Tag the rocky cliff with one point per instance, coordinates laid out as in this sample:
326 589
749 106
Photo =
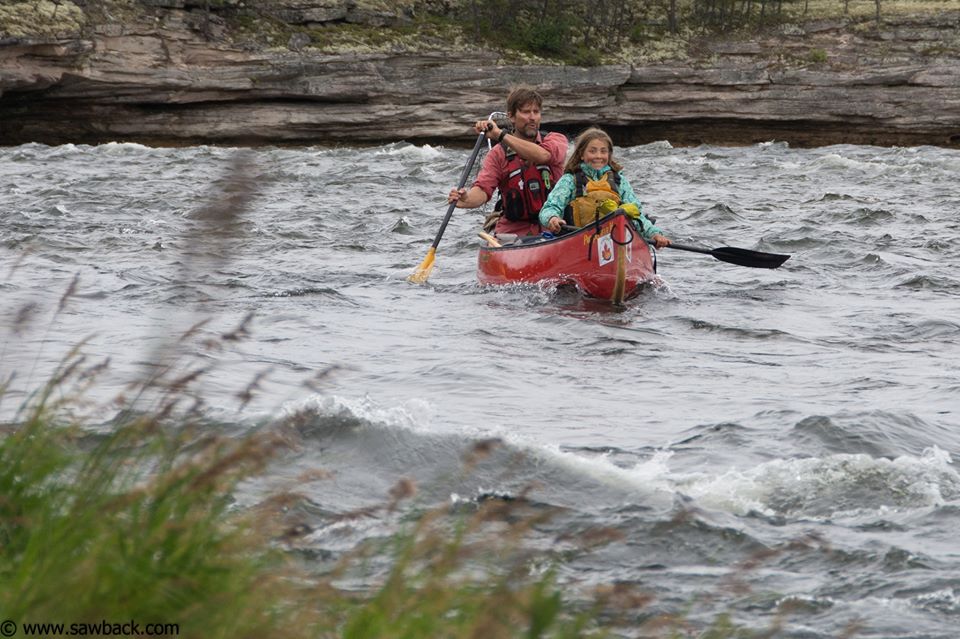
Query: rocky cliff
169 77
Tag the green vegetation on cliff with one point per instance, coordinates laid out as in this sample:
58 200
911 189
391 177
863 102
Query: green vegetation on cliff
582 32
40 18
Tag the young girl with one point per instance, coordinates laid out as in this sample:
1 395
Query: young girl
592 181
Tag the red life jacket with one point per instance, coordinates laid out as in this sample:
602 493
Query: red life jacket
524 189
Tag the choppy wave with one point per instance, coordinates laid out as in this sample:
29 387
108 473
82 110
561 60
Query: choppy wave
425 153
832 487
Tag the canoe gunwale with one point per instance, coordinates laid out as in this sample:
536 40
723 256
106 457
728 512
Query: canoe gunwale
566 237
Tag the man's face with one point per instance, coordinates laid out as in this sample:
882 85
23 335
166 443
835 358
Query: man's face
526 120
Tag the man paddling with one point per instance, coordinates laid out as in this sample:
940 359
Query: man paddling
524 166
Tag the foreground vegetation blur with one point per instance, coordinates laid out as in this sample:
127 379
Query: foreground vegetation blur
134 522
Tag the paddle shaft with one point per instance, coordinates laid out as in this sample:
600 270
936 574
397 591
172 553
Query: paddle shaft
692 249
728 254
463 180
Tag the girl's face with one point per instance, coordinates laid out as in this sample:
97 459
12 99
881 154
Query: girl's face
596 155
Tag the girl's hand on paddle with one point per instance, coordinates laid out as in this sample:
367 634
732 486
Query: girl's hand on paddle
554 224
660 241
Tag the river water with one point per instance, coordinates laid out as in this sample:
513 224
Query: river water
808 414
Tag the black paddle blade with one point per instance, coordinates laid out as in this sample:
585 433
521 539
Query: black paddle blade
746 257
738 256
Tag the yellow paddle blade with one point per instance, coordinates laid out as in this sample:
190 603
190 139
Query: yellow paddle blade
423 271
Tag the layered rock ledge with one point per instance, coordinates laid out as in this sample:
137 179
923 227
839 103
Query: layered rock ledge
169 83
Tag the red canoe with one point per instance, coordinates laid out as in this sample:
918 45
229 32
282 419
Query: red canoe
606 260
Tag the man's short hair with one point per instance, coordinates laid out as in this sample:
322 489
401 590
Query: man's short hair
520 96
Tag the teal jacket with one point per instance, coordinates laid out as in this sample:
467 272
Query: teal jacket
566 189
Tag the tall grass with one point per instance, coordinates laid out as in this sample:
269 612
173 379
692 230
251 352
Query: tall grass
132 526
137 524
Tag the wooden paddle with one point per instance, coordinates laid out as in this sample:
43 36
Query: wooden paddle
491 240
738 256
423 271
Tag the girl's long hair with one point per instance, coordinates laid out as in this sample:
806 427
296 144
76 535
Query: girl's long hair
585 138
